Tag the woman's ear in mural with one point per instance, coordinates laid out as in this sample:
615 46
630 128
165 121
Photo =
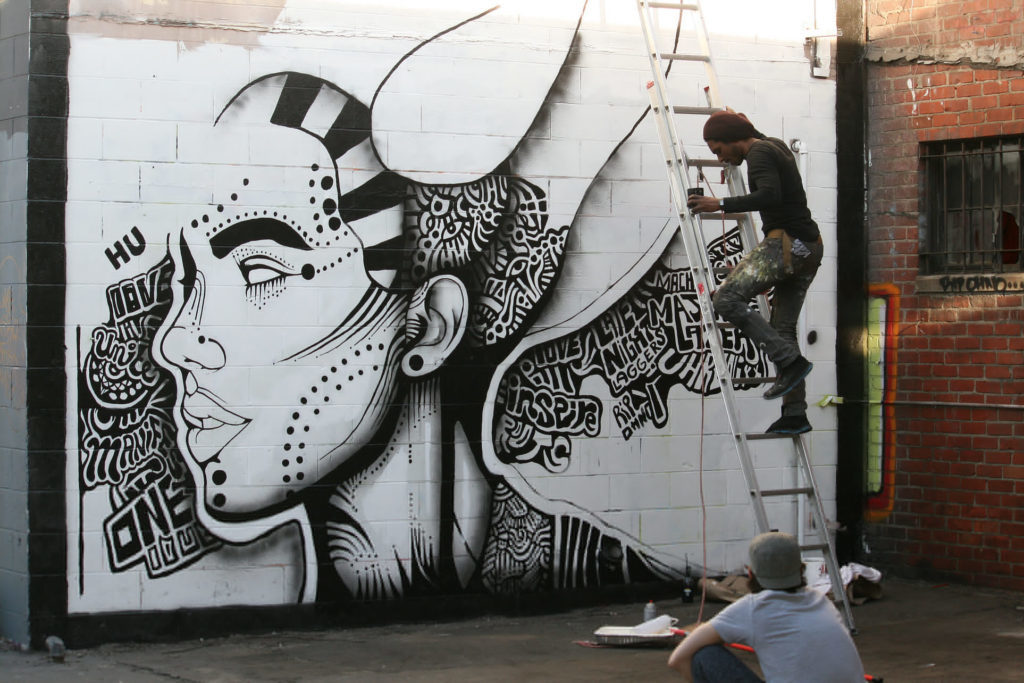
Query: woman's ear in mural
435 323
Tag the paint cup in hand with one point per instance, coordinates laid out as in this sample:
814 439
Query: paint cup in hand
694 192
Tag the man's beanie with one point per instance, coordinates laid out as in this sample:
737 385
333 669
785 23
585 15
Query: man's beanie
775 560
728 126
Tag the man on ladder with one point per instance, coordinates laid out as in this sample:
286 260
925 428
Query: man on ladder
787 259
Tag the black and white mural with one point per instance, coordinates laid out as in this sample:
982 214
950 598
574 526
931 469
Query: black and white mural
358 333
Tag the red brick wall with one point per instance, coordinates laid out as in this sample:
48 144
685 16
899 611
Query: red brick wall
959 482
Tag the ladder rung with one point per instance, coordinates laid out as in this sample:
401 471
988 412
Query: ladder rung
719 216
751 380
758 436
725 270
672 5
703 111
681 57
814 546
707 163
786 492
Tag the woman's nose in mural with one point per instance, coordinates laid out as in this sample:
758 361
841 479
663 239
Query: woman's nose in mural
189 348
187 345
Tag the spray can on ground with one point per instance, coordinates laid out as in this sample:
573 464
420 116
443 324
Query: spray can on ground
650 610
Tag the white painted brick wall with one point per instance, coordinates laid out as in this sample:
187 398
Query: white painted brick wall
142 105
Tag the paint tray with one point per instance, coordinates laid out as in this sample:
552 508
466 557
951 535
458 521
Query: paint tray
635 635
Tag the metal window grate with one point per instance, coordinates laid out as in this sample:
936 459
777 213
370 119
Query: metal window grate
973 206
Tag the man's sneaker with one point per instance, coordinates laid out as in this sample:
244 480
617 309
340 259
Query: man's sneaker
789 377
790 424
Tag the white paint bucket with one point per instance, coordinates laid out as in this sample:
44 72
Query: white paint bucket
815 570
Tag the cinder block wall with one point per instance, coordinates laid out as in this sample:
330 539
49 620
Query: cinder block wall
359 303
953 507
14 79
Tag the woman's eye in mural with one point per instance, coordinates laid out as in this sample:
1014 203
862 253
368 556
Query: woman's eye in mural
265 277
262 270
264 273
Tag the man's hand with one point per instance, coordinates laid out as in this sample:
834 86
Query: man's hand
682 656
700 204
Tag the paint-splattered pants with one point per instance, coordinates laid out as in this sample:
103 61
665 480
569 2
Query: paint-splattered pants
760 270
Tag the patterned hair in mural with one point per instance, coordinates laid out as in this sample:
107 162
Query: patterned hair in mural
646 343
127 434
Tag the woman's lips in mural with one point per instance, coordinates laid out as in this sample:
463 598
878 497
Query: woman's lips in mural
211 426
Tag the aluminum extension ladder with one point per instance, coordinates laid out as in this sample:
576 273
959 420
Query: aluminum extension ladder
679 167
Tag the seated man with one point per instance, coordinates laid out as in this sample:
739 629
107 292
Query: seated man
797 633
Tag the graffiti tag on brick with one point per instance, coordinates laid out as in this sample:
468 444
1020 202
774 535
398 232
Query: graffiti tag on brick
979 284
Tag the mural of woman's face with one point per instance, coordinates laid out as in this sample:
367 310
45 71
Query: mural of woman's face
285 352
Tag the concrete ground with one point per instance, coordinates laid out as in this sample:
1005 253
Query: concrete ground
915 632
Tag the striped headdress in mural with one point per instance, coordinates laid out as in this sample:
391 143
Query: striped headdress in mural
492 232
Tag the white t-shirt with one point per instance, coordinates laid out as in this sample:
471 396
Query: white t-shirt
797 636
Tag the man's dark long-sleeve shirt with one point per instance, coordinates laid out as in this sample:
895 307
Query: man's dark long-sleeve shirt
775 191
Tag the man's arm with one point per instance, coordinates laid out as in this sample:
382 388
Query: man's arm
763 173
682 657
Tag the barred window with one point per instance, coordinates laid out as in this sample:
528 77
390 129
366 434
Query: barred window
973 206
